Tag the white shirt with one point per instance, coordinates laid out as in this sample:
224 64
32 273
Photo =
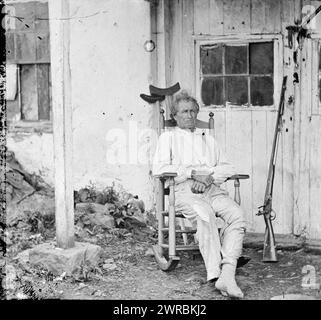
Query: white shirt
181 151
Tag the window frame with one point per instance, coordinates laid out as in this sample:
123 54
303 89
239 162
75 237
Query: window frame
242 39
22 125
38 28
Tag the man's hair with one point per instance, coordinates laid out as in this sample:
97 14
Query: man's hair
183 96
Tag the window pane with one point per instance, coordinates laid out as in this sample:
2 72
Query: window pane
212 91
25 13
41 20
235 59
42 47
237 90
261 58
261 91
25 47
13 109
211 59
29 97
10 47
43 91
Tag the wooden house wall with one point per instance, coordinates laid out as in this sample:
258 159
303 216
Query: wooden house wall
246 133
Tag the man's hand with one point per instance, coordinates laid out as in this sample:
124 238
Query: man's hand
198 187
206 179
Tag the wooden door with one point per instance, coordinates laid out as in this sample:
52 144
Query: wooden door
246 134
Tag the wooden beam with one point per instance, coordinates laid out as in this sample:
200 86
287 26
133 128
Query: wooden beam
62 120
163 33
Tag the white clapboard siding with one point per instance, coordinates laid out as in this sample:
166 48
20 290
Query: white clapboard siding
308 217
315 147
260 166
278 203
236 15
216 17
239 150
315 178
201 17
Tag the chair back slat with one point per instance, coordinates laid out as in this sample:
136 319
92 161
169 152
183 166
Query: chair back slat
162 120
170 123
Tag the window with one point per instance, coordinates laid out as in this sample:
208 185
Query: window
241 74
28 63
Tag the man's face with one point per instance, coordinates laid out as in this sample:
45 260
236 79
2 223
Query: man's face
186 115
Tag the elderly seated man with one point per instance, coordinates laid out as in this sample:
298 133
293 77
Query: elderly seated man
201 168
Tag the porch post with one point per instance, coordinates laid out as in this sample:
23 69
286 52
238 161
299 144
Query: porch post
62 121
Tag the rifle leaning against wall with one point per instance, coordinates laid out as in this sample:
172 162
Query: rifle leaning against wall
269 252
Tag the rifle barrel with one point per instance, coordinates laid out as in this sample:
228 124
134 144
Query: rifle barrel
269 252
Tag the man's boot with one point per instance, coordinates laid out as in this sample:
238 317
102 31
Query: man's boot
226 282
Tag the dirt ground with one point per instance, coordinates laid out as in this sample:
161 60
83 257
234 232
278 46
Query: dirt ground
117 222
126 272
138 277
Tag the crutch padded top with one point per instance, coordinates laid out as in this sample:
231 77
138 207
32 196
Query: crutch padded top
153 98
165 91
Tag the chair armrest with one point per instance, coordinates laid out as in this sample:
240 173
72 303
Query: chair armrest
166 175
239 176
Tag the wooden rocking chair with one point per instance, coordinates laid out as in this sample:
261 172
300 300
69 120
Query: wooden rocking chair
165 252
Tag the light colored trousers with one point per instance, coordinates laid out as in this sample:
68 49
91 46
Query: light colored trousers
202 211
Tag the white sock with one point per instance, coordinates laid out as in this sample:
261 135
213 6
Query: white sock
226 282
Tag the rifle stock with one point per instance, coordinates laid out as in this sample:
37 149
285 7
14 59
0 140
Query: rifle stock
269 251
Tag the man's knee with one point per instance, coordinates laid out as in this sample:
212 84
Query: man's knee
238 218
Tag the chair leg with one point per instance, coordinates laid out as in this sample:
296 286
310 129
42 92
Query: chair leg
172 261
171 220
242 260
182 225
160 217
237 195
163 263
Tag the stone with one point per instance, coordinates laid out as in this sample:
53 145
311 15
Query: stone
110 267
134 205
91 207
103 220
58 260
135 221
109 264
109 261
22 257
95 214
21 296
